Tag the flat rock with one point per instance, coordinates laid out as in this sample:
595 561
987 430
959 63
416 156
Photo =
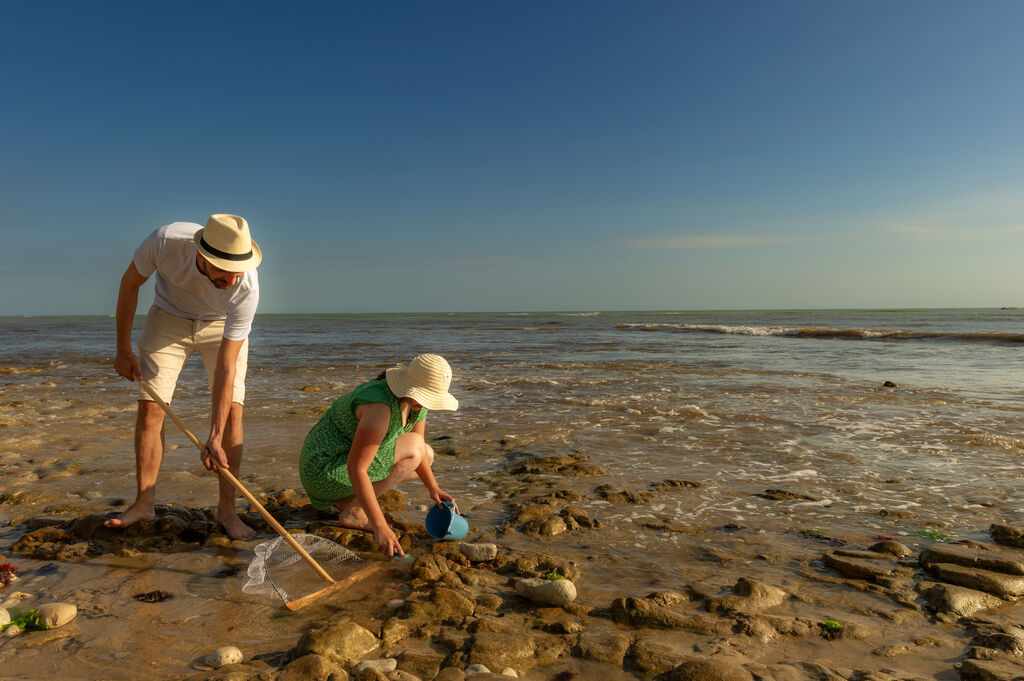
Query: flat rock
706 669
1007 535
998 583
869 569
954 602
995 561
990 670
554 592
54 615
479 553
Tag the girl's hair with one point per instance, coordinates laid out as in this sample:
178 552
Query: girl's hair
382 374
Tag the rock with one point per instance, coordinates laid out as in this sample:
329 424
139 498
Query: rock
1005 638
343 643
892 548
555 592
607 646
995 561
1003 585
889 384
450 674
748 595
424 662
477 669
430 567
508 671
649 612
370 674
12 630
706 669
224 655
859 568
785 495
311 667
451 607
989 670
1007 535
496 650
5 617
402 675
385 665
953 602
479 553
652 656
54 615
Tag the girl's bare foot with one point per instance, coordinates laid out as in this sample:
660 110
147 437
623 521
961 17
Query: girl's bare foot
354 517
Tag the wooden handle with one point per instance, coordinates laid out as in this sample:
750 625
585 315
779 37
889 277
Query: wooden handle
239 486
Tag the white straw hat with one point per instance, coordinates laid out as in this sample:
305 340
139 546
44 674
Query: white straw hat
426 381
226 243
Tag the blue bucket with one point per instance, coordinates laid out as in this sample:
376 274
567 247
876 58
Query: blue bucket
445 524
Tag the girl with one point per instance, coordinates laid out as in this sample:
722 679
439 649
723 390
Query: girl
371 439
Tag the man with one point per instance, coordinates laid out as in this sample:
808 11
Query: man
206 297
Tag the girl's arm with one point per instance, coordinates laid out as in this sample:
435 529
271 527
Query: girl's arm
427 476
373 426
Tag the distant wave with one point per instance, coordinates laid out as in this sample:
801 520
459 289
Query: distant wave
828 332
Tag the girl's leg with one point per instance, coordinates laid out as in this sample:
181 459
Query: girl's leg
410 452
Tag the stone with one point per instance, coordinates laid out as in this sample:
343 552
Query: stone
54 615
344 643
554 592
385 665
477 669
858 568
5 617
648 612
953 602
450 674
654 657
892 548
998 583
989 670
995 561
706 669
1005 638
496 650
608 646
311 667
402 675
508 671
224 655
748 595
479 553
450 606
1007 535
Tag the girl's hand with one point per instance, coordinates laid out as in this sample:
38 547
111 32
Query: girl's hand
440 496
388 542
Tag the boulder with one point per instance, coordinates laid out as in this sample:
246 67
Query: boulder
311 667
953 602
995 561
479 553
998 583
344 643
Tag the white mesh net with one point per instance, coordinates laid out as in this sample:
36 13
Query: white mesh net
267 573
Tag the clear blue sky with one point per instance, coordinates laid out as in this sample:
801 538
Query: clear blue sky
577 155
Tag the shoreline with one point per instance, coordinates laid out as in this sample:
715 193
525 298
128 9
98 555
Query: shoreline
752 604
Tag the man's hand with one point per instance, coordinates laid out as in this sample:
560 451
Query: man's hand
127 365
213 455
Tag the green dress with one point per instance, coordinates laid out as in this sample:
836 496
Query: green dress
323 464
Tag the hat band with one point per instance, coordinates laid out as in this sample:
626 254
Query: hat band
222 254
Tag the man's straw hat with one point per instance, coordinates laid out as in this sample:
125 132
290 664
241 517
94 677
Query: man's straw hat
426 381
226 243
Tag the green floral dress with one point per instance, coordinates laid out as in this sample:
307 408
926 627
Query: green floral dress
323 464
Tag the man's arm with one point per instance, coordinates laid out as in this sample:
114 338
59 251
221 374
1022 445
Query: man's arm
126 363
223 392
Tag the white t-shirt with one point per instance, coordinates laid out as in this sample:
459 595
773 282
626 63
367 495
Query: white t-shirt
183 291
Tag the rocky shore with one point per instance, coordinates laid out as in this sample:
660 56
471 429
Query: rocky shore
529 596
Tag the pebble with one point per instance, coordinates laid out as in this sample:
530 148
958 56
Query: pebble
12 630
54 615
508 671
396 603
5 617
223 656
553 592
479 553
477 669
388 664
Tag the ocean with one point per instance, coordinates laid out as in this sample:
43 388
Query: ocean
862 423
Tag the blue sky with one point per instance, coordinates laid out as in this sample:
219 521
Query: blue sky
578 155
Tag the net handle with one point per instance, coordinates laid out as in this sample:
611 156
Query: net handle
224 473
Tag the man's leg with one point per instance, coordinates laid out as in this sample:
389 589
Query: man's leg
410 452
162 352
233 441
149 452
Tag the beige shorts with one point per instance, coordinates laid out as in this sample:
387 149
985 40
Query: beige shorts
167 341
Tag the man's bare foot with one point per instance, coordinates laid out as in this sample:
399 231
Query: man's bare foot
353 517
137 512
233 525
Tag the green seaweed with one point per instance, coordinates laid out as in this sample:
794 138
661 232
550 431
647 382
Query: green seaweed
930 533
552 576
26 621
831 628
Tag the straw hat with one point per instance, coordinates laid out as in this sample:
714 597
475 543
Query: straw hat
226 243
426 381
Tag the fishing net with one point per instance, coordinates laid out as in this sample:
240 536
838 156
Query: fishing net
267 570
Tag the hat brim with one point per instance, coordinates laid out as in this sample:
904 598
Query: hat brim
398 382
250 264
